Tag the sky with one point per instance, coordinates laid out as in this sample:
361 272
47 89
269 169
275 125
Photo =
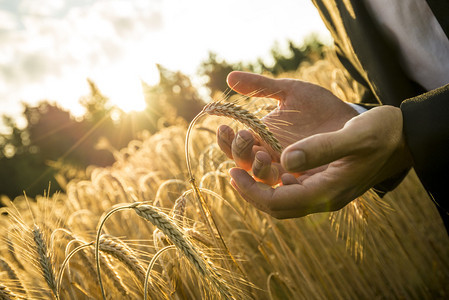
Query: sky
48 48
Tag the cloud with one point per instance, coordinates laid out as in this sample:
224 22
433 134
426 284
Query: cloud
8 21
49 40
41 7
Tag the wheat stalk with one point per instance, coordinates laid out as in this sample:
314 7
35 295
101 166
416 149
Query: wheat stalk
45 260
245 117
66 261
151 265
97 241
236 112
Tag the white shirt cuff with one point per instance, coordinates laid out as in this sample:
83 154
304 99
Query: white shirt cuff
358 108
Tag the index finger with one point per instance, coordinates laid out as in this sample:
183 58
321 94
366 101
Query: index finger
255 85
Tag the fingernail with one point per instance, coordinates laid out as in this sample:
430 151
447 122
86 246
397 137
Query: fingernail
224 131
224 135
240 142
294 160
257 163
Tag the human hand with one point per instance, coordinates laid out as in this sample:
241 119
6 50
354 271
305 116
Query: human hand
304 109
343 154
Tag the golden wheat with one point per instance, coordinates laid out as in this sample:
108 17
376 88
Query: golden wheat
45 260
124 254
6 294
12 274
175 235
236 112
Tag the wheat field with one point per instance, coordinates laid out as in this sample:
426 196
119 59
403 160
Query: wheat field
138 230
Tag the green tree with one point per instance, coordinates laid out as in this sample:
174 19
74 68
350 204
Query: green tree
173 97
311 50
215 70
96 104
22 168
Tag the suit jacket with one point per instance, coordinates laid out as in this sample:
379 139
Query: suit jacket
373 61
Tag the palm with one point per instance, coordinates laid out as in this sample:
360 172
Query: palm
301 116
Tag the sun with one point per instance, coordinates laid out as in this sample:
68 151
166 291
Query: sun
128 96
122 83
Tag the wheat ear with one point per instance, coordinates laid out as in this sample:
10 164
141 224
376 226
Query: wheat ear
97 240
236 112
199 237
123 254
6 294
112 274
66 261
11 274
179 208
172 231
45 260
151 265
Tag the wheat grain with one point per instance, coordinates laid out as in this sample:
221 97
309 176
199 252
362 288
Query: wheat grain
171 230
113 276
107 268
159 239
89 268
5 293
199 237
11 274
124 254
44 259
236 112
179 209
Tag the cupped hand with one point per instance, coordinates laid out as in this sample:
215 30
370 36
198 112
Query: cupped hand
304 109
337 156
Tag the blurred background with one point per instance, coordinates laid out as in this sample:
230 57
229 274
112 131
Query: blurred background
80 78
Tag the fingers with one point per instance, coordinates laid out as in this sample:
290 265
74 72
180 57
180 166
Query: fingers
225 136
288 178
282 202
242 149
254 192
264 170
291 200
255 85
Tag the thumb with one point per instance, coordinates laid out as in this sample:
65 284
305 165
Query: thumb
320 149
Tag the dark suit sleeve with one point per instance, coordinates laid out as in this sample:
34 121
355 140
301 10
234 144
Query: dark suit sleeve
367 97
426 129
368 100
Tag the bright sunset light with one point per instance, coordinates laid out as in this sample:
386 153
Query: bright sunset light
49 48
